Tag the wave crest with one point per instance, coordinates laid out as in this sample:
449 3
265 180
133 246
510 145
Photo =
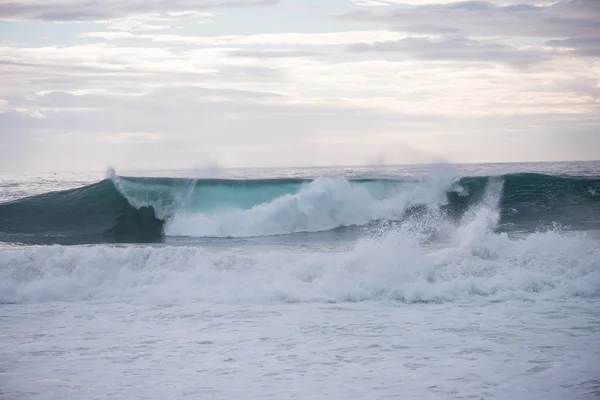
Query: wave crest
129 209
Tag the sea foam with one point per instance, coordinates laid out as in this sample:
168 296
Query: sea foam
472 263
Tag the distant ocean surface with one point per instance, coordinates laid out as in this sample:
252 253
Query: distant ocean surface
420 282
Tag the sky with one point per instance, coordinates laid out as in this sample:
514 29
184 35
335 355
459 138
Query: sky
163 84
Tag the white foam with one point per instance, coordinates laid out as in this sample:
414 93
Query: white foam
397 265
392 267
321 205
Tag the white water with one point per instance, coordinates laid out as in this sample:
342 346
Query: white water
397 265
511 319
475 315
542 266
321 205
97 350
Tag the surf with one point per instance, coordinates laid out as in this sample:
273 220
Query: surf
92 214
122 209
476 264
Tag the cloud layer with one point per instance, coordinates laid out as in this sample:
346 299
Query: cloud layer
161 84
83 10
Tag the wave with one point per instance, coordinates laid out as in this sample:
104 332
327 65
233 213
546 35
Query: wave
92 214
476 263
132 209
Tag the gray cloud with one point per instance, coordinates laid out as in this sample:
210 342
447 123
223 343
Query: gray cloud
585 46
26 74
83 10
576 18
457 49
178 96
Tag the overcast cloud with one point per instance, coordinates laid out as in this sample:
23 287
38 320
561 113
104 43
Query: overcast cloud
162 84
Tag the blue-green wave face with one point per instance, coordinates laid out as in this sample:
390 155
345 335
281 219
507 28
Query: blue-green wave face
130 209
171 195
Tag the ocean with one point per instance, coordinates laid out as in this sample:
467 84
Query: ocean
473 281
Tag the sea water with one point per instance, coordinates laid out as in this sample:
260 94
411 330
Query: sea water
472 281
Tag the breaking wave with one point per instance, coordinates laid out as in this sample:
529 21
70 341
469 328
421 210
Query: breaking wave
475 262
143 210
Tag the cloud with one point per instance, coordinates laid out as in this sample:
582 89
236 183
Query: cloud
579 47
267 39
133 24
456 48
427 82
477 18
273 53
169 127
98 138
421 2
83 10
470 81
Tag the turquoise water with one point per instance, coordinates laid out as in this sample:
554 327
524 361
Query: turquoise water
155 209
